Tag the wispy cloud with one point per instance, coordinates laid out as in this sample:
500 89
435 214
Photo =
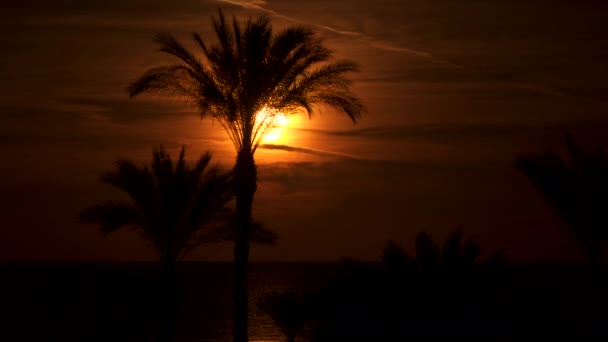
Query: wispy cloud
250 4
310 151
260 5
470 133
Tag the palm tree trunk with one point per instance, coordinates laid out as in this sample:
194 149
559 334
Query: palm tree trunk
245 176
169 300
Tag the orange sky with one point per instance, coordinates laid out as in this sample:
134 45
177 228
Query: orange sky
454 90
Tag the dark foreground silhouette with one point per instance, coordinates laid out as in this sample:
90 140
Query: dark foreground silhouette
444 292
349 300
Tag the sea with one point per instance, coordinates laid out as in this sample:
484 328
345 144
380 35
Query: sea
120 301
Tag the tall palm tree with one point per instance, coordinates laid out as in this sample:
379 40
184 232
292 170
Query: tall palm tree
244 81
576 188
176 208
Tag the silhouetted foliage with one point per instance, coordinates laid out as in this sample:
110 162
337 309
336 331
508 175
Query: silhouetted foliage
394 256
243 82
455 253
427 251
176 208
439 292
576 188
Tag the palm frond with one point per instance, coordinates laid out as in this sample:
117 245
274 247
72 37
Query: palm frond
341 101
196 173
258 234
110 216
471 251
172 78
137 182
451 250
427 251
225 37
172 46
329 76
284 43
394 256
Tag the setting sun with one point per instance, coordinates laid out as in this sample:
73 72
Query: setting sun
274 124
274 135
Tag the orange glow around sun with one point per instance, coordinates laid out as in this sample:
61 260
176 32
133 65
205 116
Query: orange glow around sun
278 122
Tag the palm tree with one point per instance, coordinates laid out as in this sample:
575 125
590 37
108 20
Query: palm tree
176 208
455 254
394 256
576 188
459 254
244 81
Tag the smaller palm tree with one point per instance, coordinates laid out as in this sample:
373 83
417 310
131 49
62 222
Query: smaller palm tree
427 251
394 256
456 254
176 208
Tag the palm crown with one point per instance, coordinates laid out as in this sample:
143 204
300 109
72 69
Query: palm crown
251 74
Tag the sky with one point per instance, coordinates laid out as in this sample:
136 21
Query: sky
455 90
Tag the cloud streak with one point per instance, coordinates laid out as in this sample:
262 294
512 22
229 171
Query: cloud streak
260 5
288 148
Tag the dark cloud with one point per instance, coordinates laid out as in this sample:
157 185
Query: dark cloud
480 133
133 111
82 127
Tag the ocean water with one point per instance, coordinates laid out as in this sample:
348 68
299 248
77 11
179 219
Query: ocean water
120 301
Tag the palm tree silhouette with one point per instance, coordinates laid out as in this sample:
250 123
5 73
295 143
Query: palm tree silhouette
243 82
394 256
455 254
458 253
576 188
176 208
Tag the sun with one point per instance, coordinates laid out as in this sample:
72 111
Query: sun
276 124
275 133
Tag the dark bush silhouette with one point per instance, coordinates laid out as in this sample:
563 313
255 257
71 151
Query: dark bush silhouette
455 254
244 81
176 208
394 256
438 292
576 188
